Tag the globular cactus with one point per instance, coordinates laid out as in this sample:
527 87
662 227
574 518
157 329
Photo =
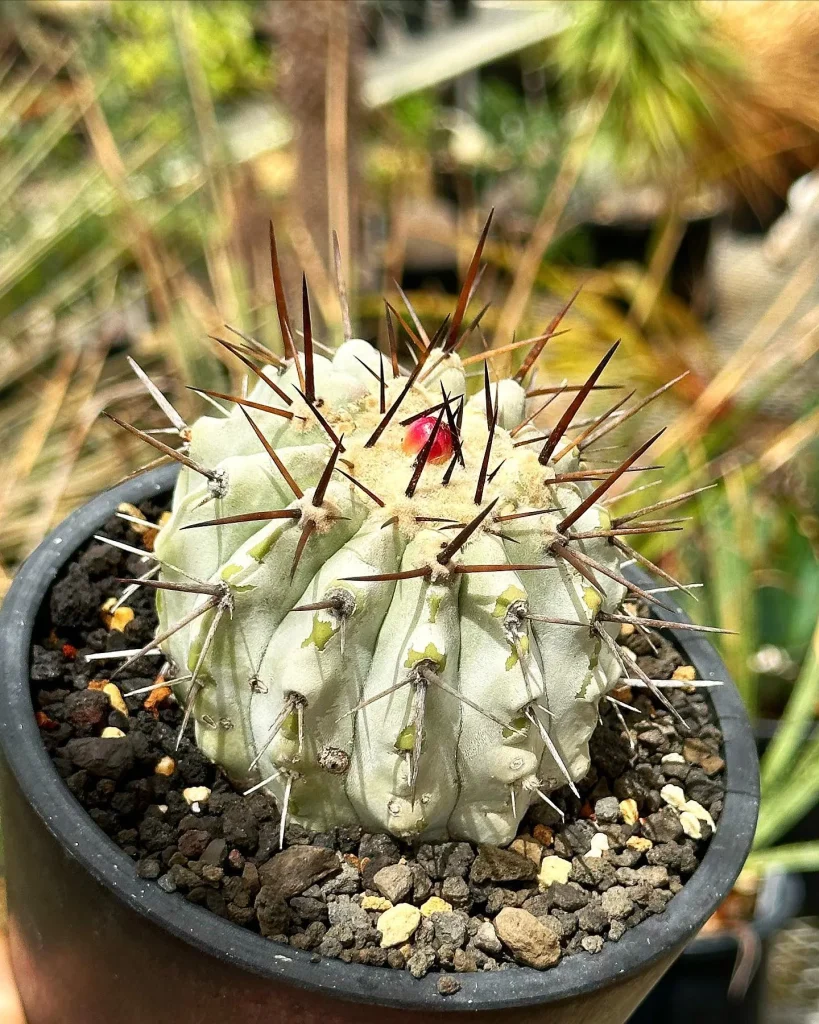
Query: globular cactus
388 603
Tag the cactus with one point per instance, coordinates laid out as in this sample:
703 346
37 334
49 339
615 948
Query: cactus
388 603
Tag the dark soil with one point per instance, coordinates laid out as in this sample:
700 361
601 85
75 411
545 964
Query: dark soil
221 850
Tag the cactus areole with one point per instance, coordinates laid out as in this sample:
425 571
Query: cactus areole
386 601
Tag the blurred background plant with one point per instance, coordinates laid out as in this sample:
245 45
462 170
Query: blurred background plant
640 148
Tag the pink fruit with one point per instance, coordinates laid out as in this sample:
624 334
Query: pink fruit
418 434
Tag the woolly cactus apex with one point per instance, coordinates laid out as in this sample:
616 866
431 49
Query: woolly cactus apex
387 604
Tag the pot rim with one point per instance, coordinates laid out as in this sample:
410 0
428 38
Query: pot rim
83 841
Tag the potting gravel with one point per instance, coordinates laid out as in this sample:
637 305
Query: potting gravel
637 833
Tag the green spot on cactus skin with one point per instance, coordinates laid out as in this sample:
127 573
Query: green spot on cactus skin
584 686
509 596
429 653
518 725
260 551
512 660
434 604
290 727
406 738
321 632
592 599
230 571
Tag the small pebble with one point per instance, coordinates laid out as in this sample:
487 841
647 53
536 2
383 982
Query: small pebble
639 843
486 938
379 903
394 882
447 985
691 825
110 733
396 925
529 847
692 807
553 869
195 795
116 621
527 939
629 811
544 835
435 905
673 796
599 845
685 673
166 766
114 695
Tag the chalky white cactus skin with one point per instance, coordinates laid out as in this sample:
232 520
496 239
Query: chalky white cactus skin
486 706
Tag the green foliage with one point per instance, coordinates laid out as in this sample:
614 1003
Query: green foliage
138 54
661 65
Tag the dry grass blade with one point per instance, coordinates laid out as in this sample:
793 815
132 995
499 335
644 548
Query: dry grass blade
341 288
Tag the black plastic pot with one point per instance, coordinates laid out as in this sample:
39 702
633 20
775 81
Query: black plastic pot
94 944
698 985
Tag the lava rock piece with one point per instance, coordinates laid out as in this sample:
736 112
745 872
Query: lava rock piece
527 938
293 870
496 865
104 758
272 911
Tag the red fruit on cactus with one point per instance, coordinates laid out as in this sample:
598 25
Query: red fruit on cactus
418 434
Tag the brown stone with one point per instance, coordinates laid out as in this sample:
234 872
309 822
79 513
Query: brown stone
527 939
292 871
496 865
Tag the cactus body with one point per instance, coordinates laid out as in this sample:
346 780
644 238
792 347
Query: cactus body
428 706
